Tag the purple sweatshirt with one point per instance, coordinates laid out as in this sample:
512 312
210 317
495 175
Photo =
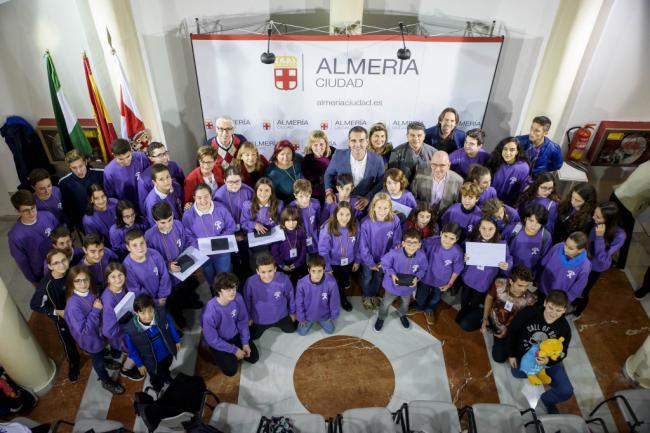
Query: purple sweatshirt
311 219
110 327
509 180
317 301
407 198
551 207
101 221
262 217
122 182
174 199
528 250
215 223
97 270
233 201
560 273
334 248
328 210
29 244
460 161
489 193
442 263
116 235
376 238
221 323
397 262
150 276
84 322
467 220
268 303
169 245
600 253
145 182
480 278
53 205
294 240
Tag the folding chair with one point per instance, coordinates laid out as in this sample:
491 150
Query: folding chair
369 419
233 418
503 418
564 423
431 416
97 425
308 423
634 404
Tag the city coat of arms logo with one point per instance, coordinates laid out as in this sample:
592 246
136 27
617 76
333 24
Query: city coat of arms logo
285 73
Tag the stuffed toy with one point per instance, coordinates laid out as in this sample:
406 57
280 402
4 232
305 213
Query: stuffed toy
549 348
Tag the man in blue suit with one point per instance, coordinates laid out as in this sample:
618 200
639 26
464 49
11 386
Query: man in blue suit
542 153
366 168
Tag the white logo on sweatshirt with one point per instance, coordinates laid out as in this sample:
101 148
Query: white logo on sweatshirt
513 180
233 313
323 296
277 295
137 174
448 262
155 270
178 242
353 238
59 205
217 225
570 274
389 234
312 219
534 251
415 268
469 228
48 230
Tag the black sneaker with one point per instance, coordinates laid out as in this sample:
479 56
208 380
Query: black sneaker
551 409
378 325
73 375
112 364
345 304
405 322
132 374
113 387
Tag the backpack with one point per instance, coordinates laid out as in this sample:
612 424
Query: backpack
546 236
279 424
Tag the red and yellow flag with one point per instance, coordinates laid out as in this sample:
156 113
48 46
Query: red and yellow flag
105 130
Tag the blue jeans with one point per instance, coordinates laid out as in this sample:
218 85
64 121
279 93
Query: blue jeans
98 365
370 281
561 388
327 325
216 264
427 297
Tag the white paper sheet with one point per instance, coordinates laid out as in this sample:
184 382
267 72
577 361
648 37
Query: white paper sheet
125 305
205 245
199 259
532 393
485 254
403 209
277 235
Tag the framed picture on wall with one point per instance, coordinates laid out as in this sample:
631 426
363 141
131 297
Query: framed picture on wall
619 143
46 129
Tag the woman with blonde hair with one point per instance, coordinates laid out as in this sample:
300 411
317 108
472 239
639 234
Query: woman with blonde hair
318 154
251 163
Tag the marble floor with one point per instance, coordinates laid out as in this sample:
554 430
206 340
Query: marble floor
438 362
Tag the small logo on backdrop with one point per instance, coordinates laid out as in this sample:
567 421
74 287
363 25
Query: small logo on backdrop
209 124
324 125
266 124
285 72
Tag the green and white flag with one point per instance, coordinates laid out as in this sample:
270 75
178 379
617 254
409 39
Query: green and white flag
70 132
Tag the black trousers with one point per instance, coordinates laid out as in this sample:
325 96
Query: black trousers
499 350
163 375
470 315
342 276
285 324
227 362
69 345
627 223
581 303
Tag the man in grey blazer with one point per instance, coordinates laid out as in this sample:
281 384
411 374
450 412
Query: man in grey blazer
414 154
436 185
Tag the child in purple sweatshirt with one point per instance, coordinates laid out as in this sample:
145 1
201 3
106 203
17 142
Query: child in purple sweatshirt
344 187
47 197
96 258
566 267
471 153
530 241
542 191
114 292
482 177
225 326
262 212
476 280
446 262
122 173
317 298
158 154
29 239
504 216
380 232
165 188
291 253
466 213
605 239
510 170
83 315
409 260
269 298
126 219
395 183
100 215
339 246
146 270
310 212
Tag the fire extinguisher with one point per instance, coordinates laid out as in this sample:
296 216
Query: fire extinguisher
578 144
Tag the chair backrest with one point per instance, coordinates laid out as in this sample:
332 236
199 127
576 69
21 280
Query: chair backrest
564 424
639 400
368 419
503 418
233 418
174 423
98 425
307 423
433 416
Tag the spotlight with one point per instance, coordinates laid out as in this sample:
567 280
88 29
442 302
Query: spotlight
268 58
403 53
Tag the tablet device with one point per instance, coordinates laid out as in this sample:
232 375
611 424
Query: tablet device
405 279
219 244
269 232
184 262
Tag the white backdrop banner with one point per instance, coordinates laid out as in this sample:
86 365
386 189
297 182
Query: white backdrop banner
333 83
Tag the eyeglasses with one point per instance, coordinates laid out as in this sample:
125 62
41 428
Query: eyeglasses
59 263
225 129
80 280
207 162
160 155
233 182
